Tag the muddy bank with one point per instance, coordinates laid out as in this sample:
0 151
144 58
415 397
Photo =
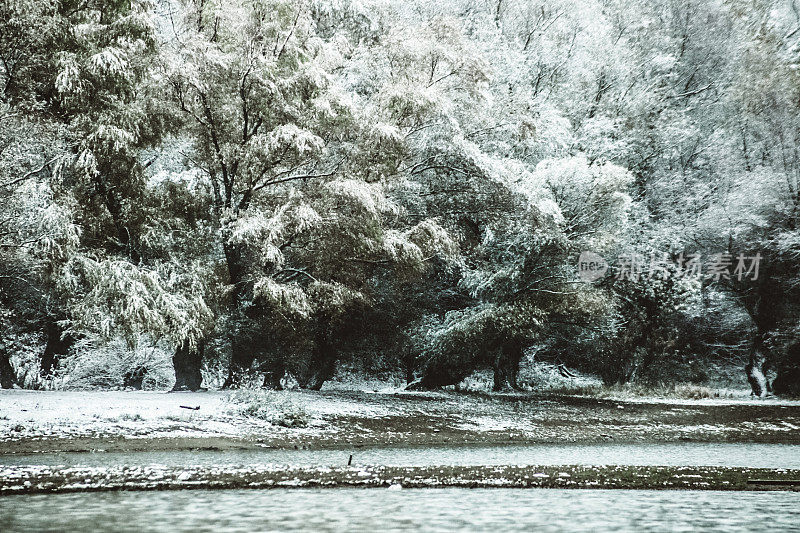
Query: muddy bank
37 479
32 422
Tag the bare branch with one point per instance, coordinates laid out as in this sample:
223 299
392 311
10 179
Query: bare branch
29 174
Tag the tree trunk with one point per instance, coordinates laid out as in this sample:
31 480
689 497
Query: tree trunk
787 380
755 368
113 203
7 376
242 355
58 345
319 377
134 378
237 270
242 352
506 368
241 362
323 360
765 309
187 363
408 360
409 373
273 376
441 372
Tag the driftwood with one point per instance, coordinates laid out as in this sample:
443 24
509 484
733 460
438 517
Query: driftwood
192 408
565 372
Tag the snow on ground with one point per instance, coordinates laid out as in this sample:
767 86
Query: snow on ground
726 397
56 406
132 414
337 417
26 414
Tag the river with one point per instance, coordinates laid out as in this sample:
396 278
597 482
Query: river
402 510
444 509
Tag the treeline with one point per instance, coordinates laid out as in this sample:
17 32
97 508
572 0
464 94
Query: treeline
279 186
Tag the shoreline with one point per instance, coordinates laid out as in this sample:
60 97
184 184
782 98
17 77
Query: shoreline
116 444
54 480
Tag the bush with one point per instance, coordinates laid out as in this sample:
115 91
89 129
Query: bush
115 365
274 407
26 351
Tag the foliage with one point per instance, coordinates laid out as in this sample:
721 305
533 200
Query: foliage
280 186
101 365
273 407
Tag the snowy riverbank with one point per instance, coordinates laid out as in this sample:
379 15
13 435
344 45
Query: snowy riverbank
32 421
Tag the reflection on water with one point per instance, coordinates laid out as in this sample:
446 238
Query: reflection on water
678 454
388 510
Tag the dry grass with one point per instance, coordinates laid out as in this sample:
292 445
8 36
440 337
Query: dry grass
681 391
277 409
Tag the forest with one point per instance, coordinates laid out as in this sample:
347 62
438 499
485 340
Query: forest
268 191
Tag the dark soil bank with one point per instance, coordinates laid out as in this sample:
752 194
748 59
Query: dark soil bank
27 480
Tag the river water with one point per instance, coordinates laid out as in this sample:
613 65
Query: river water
678 454
450 509
403 510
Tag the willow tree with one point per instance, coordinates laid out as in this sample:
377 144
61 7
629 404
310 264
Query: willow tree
84 68
522 272
249 84
102 89
298 220
37 234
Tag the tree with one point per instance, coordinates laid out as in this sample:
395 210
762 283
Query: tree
435 168
522 274
300 224
37 234
94 80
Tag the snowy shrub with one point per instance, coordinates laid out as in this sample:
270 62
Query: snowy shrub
273 407
115 365
26 350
